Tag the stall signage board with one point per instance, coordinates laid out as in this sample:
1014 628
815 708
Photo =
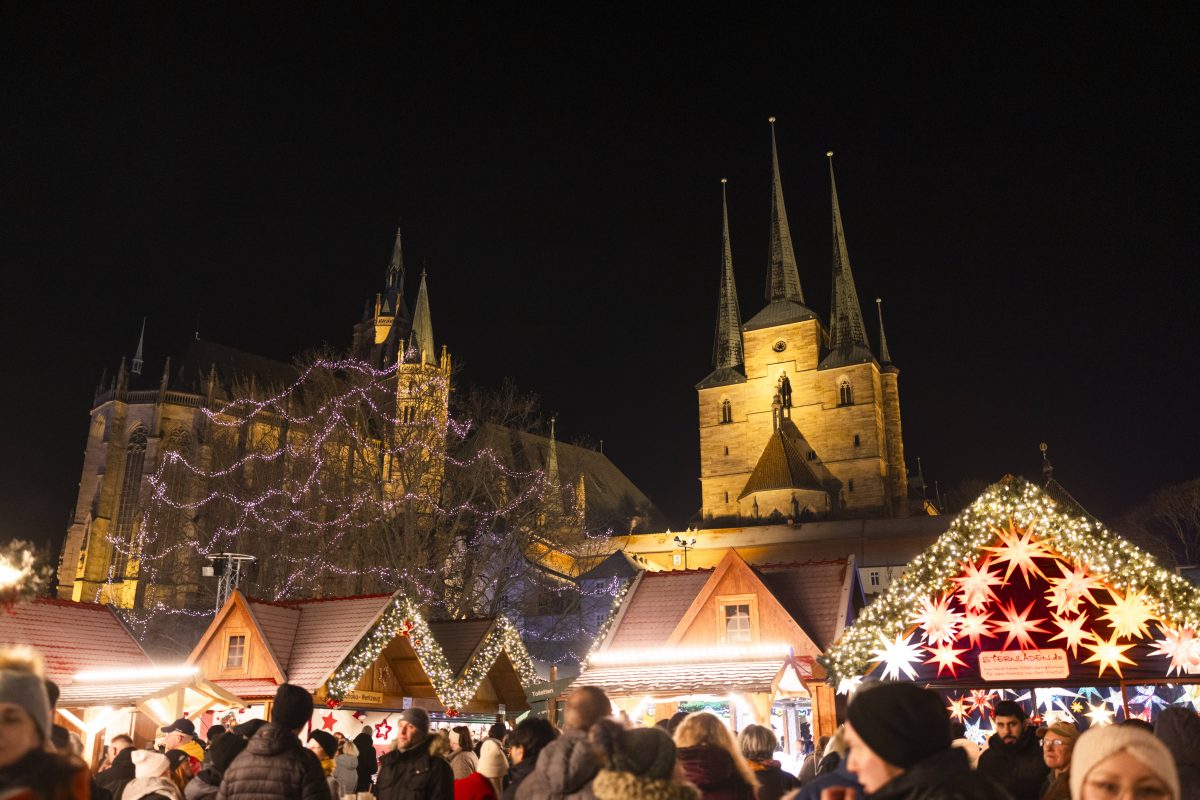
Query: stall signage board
357 697
1023 665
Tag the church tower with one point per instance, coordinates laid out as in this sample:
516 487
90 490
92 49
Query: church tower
380 336
422 404
796 421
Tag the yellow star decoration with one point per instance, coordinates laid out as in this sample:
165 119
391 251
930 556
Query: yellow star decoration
1077 706
1129 614
975 626
1019 548
1072 630
958 708
1018 626
975 584
946 657
1067 592
1109 654
1100 715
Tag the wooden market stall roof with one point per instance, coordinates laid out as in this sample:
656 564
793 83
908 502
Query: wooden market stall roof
72 637
1025 589
326 645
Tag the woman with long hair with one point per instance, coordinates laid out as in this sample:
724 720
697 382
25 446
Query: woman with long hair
758 745
463 760
711 759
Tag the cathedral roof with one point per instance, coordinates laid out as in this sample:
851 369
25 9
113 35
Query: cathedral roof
782 465
722 376
779 312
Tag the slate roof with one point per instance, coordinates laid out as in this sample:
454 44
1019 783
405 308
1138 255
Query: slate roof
658 604
72 637
620 565
779 312
722 376
811 592
460 639
782 465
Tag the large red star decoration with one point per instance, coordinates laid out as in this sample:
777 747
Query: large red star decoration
327 721
383 730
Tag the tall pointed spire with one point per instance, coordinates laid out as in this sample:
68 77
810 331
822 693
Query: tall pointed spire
727 347
885 358
783 277
135 367
553 487
395 273
728 353
847 332
422 327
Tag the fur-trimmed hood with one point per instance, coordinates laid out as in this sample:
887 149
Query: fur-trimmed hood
613 785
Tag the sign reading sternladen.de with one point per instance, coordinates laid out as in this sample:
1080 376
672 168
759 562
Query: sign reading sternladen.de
1023 665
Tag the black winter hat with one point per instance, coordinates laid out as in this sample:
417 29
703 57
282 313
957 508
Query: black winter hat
327 742
901 722
224 750
648 752
293 707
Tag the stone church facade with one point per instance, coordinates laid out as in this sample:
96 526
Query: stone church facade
798 420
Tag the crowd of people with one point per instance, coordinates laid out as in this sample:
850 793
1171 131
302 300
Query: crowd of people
897 743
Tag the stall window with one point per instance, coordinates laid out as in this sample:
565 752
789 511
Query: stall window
235 651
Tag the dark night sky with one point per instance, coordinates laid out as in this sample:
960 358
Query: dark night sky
1020 188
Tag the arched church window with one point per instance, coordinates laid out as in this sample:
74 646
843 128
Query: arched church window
726 412
857 440
131 485
845 393
177 483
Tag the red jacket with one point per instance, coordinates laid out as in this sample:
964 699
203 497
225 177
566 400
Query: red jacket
474 787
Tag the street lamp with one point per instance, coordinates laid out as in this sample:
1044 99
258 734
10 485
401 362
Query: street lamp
687 543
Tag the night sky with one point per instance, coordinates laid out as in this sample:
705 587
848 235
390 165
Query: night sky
1019 188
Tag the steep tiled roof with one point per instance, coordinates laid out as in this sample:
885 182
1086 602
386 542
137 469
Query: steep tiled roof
327 631
278 623
249 689
658 604
782 465
811 592
459 639
72 637
116 692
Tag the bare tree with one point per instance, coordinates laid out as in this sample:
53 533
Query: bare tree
1168 523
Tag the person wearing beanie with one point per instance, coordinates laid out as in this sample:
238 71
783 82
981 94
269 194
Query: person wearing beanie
152 781
1179 729
27 767
1013 757
1122 761
410 771
1058 743
274 763
220 754
486 782
899 737
640 765
568 765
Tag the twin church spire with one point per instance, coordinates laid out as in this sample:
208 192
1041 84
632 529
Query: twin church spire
784 295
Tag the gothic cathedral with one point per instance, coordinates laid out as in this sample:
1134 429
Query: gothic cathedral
798 421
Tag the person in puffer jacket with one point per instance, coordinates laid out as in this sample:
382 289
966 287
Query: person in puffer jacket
568 765
1179 730
410 771
217 758
275 764
641 765
711 759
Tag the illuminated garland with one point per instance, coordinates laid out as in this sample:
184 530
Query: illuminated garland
403 617
1106 555
602 635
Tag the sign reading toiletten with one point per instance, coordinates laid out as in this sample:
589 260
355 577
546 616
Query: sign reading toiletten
1023 665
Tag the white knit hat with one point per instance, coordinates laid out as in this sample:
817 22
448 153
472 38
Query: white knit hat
149 764
1097 744
492 762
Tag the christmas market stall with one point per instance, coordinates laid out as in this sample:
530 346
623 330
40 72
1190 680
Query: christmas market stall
1028 598
365 659
736 639
107 683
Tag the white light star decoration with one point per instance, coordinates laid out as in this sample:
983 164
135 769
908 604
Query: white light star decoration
975 584
975 626
959 708
1019 548
976 733
938 620
849 686
1018 626
1183 648
1068 592
946 656
1100 715
1052 698
898 656
1109 654
1190 694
